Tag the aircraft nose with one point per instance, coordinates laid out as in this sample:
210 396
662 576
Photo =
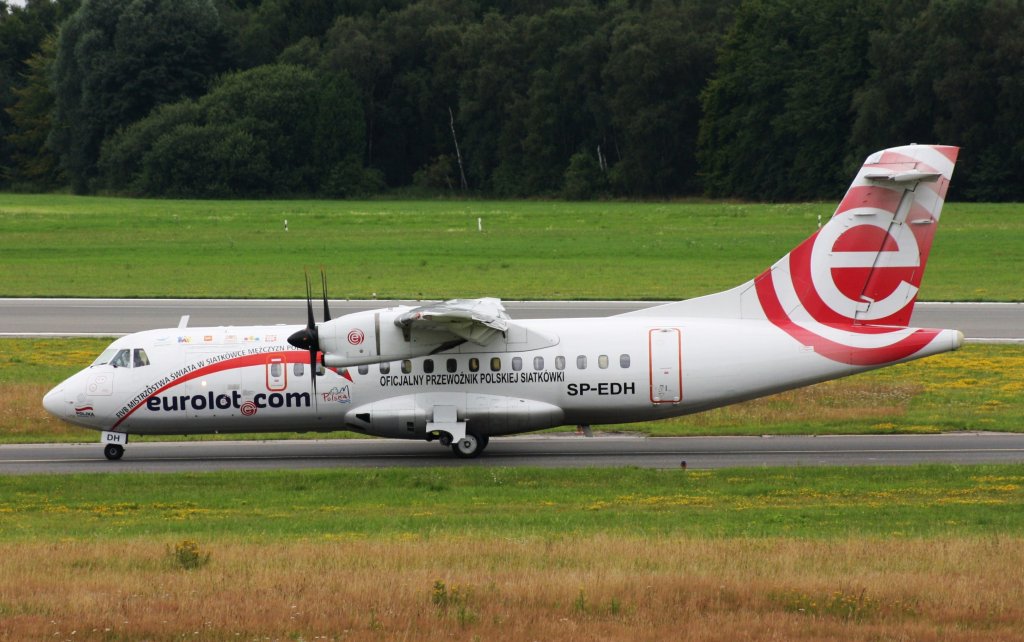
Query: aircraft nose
55 404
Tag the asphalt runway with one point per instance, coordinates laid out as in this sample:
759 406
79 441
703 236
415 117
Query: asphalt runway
570 451
995 322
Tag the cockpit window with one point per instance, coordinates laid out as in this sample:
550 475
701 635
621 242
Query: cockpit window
125 358
122 359
105 357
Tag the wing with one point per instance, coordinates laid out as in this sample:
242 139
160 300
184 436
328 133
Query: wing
474 320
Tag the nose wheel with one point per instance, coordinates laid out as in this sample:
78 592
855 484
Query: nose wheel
113 444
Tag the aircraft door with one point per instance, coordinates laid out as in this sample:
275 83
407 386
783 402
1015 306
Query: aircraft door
666 365
277 374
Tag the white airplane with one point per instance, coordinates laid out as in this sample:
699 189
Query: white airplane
462 371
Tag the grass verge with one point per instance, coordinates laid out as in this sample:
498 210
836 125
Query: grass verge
58 245
976 388
434 504
923 553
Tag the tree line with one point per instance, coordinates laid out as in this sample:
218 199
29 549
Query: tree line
753 99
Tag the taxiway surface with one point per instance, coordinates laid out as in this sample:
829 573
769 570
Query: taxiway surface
607 450
114 317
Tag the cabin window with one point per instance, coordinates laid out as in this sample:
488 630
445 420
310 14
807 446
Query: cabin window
139 358
581 362
276 369
406 366
385 367
495 364
517 363
364 369
451 365
298 369
428 365
559 363
624 361
602 362
474 364
122 359
538 363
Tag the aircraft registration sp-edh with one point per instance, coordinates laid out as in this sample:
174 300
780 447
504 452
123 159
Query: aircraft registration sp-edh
462 371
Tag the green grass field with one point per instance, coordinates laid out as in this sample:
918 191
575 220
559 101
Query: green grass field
857 553
56 245
807 502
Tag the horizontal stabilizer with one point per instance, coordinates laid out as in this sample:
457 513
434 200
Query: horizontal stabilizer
902 178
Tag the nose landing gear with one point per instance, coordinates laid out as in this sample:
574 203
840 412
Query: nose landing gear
113 444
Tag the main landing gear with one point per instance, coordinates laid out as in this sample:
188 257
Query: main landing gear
468 447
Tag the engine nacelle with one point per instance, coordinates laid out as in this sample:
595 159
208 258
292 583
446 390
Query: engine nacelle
408 416
373 337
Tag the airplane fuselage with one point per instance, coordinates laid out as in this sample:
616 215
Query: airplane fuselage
566 371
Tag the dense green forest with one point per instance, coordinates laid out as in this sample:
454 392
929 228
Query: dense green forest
753 99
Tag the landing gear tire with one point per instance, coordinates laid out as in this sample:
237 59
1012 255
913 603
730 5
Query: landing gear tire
468 447
113 452
484 440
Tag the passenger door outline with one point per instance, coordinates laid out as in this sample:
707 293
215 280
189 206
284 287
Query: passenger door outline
277 374
665 361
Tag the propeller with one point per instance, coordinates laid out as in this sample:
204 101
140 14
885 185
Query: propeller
308 338
323 288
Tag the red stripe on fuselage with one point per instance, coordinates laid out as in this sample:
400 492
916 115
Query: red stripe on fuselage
259 359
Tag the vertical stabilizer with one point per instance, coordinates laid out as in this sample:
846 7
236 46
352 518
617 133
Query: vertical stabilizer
864 267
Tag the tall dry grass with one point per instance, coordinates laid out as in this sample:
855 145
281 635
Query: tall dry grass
22 416
597 588
860 399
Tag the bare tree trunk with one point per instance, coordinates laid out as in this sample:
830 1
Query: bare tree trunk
458 154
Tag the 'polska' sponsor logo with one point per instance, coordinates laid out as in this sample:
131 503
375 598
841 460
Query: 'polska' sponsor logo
337 395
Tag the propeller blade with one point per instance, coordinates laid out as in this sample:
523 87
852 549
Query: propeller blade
310 321
308 338
323 286
312 370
